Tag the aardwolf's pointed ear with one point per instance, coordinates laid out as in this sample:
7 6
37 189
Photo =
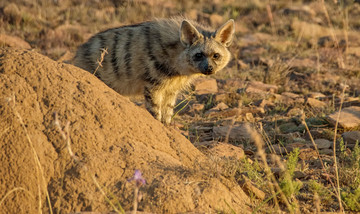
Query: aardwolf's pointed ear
225 33
188 33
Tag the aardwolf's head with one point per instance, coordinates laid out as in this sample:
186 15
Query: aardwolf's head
207 52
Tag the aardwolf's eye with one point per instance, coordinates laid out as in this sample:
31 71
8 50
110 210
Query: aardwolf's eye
199 56
216 56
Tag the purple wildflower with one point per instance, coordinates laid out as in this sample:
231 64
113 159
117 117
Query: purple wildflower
139 180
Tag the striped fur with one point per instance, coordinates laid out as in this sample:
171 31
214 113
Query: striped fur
157 59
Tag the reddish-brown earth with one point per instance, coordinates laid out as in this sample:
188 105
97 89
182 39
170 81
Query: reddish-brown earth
111 137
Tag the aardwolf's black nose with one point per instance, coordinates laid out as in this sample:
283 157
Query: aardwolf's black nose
208 70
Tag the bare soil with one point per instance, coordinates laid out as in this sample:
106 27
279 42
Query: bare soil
110 135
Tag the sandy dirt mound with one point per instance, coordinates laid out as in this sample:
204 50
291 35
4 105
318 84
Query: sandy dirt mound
111 137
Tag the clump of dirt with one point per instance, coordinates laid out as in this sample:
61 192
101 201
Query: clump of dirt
111 137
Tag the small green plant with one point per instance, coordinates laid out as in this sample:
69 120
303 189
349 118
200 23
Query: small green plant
280 108
253 171
352 199
350 167
321 191
210 102
287 184
342 148
182 105
349 173
356 154
245 99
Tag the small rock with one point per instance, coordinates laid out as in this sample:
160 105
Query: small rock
316 95
323 143
230 112
351 101
299 139
289 137
220 107
289 100
351 137
221 97
295 112
290 147
314 134
205 86
226 150
235 133
315 103
349 117
299 174
223 114
326 152
259 87
198 107
217 110
253 110
251 190
291 95
264 103
288 127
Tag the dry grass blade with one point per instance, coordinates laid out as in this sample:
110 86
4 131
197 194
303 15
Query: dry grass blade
99 61
334 151
316 149
259 143
14 190
39 169
271 18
